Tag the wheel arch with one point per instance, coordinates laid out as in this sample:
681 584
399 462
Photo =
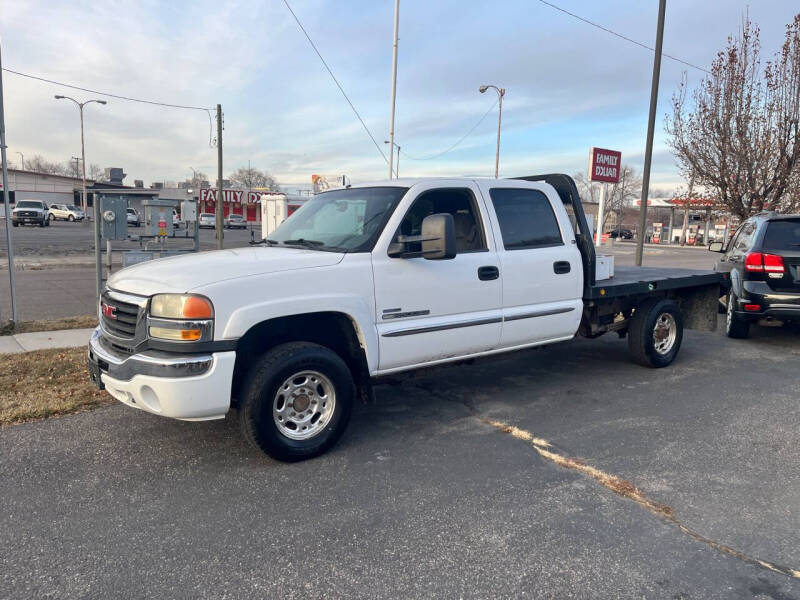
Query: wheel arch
335 330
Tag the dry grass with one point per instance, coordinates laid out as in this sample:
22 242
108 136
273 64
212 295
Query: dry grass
45 383
82 322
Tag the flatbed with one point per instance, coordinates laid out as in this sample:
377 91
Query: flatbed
629 281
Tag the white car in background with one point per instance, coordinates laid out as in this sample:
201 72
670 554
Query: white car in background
133 217
207 220
65 212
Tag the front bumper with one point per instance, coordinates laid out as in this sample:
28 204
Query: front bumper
191 387
782 306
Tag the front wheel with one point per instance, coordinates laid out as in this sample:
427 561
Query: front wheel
296 401
72 218
656 332
52 217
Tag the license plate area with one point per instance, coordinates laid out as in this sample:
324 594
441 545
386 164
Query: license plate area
95 371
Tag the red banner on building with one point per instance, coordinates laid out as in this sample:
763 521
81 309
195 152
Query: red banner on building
605 165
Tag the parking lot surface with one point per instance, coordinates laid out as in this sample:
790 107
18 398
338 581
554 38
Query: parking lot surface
422 498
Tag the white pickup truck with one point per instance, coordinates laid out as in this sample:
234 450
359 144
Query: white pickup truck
371 280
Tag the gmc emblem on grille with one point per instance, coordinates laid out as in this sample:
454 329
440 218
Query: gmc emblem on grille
109 311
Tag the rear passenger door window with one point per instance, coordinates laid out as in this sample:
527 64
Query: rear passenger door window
526 219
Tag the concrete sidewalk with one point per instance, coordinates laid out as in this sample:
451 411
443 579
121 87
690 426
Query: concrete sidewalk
44 340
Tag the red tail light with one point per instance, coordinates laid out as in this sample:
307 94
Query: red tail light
758 262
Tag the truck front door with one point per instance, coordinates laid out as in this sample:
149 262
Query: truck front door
429 310
540 263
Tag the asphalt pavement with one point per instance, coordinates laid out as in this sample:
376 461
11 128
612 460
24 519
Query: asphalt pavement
422 498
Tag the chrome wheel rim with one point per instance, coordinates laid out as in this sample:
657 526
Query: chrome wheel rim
665 332
304 405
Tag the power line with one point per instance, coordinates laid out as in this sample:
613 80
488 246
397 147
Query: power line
128 98
461 139
623 37
336 81
75 87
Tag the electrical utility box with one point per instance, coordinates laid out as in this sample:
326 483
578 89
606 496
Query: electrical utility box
157 217
274 210
113 217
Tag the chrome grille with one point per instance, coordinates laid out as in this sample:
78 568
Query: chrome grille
124 320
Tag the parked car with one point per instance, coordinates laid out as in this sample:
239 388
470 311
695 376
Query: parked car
65 212
208 220
134 220
763 260
621 233
176 219
372 280
233 221
30 212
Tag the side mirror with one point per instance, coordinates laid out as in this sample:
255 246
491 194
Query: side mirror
715 247
438 237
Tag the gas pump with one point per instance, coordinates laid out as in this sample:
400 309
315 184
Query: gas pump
657 230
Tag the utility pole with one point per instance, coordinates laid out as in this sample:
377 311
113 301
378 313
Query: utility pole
394 87
22 158
5 199
220 222
651 124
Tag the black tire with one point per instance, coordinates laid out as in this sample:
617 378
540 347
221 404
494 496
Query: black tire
641 342
71 218
51 217
43 223
14 224
735 327
261 388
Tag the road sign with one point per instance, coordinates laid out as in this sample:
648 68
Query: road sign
605 165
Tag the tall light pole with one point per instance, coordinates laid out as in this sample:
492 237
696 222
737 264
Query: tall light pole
397 166
83 151
500 93
22 157
394 86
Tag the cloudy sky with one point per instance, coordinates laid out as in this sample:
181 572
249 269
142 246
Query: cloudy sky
569 86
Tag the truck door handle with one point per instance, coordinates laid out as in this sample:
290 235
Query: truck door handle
561 266
488 273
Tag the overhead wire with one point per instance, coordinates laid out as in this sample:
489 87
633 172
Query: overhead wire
621 36
120 97
336 81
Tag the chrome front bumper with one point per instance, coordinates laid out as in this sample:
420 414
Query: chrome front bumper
123 367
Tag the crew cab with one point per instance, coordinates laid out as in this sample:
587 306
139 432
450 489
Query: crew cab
372 280
762 260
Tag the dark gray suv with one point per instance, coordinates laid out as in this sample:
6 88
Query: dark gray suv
763 259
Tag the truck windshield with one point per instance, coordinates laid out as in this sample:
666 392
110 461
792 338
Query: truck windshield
28 204
347 220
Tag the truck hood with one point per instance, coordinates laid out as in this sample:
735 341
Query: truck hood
190 271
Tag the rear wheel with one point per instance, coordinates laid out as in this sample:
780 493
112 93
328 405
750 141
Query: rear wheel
656 332
735 326
296 401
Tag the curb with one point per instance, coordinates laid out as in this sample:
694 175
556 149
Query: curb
44 340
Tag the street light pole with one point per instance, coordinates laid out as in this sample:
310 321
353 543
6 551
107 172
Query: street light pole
397 166
22 157
83 149
4 160
394 85
500 93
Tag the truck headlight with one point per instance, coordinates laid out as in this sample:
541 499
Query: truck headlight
181 318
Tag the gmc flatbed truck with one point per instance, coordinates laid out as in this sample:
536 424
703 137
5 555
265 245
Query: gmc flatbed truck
371 280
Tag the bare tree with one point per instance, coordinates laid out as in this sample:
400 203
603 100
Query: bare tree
740 139
39 164
94 171
588 190
618 196
253 178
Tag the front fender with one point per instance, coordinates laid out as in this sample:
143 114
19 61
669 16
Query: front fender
354 307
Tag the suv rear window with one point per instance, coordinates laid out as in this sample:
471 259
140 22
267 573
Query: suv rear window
783 235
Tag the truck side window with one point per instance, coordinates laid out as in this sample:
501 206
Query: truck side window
526 218
458 202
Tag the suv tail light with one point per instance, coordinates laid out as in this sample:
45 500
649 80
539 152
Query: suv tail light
758 262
